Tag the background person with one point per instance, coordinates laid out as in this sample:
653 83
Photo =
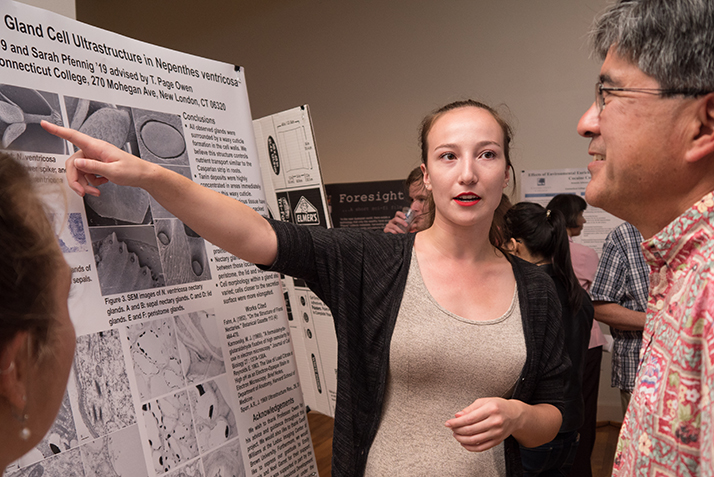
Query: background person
584 260
416 315
619 294
36 334
419 206
651 131
538 235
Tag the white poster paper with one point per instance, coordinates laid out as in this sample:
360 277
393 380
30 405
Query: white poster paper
540 186
184 364
288 156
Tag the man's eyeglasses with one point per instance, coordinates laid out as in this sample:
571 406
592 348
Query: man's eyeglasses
600 89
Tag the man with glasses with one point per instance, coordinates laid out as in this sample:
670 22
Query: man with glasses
651 131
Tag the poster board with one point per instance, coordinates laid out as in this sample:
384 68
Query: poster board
184 363
541 185
295 193
366 205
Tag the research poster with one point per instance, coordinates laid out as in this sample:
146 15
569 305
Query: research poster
295 193
184 363
542 185
366 205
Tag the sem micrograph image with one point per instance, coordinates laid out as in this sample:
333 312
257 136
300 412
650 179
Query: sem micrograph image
226 461
170 429
21 110
157 365
192 469
103 394
127 258
215 422
199 345
66 464
160 137
118 454
182 252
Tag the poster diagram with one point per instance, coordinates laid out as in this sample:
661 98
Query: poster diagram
184 364
300 198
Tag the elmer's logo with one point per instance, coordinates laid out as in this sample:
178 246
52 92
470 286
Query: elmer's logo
306 213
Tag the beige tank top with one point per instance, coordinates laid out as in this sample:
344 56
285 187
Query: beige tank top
439 364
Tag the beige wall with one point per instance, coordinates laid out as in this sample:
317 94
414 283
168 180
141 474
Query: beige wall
371 69
63 7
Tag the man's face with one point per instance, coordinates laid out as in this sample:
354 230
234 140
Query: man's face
636 142
418 196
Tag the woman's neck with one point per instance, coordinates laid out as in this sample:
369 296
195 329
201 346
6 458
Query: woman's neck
459 242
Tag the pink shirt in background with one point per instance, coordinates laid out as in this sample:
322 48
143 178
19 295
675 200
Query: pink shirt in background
584 261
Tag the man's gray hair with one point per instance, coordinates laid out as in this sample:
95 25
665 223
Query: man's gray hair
670 40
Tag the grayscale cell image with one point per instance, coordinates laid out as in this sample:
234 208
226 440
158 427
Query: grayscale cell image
103 394
72 237
226 461
199 343
21 110
105 121
192 469
182 251
118 205
160 137
127 259
62 436
118 454
215 422
66 464
170 431
157 365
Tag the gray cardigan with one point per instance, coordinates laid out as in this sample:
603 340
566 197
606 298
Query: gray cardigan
361 275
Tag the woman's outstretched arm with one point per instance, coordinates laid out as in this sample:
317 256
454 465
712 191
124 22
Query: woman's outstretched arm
221 220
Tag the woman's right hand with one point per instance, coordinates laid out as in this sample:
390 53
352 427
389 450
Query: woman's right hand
97 162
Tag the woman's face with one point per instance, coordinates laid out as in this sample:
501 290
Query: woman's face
48 379
466 166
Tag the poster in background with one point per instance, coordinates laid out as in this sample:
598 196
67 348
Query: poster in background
366 205
541 185
184 363
295 193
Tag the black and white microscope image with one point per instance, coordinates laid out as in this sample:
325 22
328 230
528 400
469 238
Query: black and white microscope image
127 259
226 461
170 431
115 455
103 393
199 345
157 365
21 110
215 422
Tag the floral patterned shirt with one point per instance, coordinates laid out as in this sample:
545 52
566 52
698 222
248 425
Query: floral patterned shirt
669 426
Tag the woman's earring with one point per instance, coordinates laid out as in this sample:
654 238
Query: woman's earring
9 368
25 432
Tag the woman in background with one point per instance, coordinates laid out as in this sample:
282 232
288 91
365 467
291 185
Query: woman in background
36 335
450 353
585 262
538 235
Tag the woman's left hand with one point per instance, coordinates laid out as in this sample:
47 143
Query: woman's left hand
486 423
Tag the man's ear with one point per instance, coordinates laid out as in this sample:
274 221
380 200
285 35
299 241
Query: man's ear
702 144
511 245
14 366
